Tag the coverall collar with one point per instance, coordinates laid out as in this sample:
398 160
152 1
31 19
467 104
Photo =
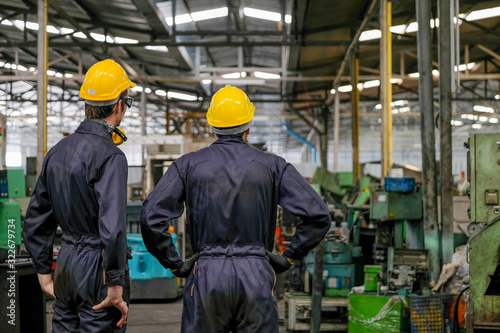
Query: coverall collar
88 127
229 139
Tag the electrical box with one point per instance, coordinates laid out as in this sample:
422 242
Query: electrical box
395 206
484 177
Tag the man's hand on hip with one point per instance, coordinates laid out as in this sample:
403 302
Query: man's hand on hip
115 298
279 262
46 284
186 267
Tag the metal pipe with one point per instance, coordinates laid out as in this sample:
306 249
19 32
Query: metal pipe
385 85
301 139
356 168
42 85
351 46
424 46
445 97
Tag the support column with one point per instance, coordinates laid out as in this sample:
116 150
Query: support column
445 98
144 102
42 85
385 84
336 134
424 46
356 168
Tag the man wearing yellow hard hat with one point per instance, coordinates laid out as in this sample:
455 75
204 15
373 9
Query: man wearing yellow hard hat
82 188
231 192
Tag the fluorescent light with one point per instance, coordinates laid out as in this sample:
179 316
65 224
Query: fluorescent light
463 67
7 22
483 119
371 84
477 126
231 75
483 14
471 117
161 48
68 75
457 122
147 90
263 75
160 92
396 81
497 96
344 89
480 108
206 81
177 95
332 92
404 109
493 120
137 89
414 74
435 72
288 18
464 116
243 74
262 14
360 86
378 107
370 34
209 14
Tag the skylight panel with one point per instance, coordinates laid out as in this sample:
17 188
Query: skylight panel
483 14
209 14
262 14
263 75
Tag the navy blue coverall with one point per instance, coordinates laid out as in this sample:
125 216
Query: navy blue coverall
231 192
82 188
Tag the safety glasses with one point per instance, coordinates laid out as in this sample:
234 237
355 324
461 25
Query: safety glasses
128 101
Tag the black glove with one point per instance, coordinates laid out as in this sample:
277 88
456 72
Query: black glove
129 253
279 262
186 268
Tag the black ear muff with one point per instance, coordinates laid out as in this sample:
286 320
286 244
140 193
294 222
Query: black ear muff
118 136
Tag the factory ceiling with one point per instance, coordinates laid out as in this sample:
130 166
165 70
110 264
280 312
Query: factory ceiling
285 54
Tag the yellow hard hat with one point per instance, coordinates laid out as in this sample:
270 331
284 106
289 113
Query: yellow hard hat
230 107
104 82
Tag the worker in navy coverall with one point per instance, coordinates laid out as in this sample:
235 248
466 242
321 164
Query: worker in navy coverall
231 192
82 188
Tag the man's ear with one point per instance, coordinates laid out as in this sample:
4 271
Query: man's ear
247 131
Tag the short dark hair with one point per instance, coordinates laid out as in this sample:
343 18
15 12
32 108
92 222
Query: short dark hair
101 112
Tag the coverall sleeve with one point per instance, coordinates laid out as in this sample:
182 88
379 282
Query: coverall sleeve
111 194
164 203
40 227
302 200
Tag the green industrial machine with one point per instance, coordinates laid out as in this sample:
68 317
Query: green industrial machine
12 186
337 183
395 206
483 308
378 314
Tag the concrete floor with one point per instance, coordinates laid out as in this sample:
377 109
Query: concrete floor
156 317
